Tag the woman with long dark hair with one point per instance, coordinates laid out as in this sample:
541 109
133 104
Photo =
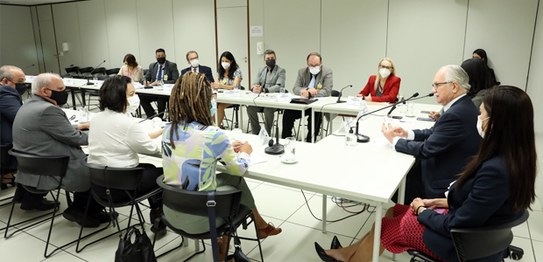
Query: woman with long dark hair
229 78
496 187
131 68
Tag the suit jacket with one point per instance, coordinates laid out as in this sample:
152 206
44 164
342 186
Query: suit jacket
275 79
41 128
202 69
483 200
390 90
10 102
445 148
324 79
170 69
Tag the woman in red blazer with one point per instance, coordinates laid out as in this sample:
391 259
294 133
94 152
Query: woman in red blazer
384 86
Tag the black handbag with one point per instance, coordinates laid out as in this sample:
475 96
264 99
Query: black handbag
238 255
141 250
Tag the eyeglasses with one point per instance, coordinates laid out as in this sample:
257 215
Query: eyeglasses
437 84
387 67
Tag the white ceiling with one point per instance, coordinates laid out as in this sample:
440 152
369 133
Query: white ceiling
34 2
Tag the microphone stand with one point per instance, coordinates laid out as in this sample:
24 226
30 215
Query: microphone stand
276 148
341 93
88 79
360 138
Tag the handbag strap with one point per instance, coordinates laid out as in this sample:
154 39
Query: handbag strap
212 225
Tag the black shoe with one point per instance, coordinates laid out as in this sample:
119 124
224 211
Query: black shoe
158 228
335 243
323 256
104 217
40 205
78 216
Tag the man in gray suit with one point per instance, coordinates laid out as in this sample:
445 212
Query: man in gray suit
163 71
315 80
42 128
271 79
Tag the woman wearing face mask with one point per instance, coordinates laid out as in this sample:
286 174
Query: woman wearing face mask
192 148
229 78
384 86
496 187
131 68
116 139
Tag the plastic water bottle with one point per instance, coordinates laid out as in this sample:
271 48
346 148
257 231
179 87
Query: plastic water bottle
350 138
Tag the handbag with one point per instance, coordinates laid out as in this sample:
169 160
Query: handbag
141 250
238 255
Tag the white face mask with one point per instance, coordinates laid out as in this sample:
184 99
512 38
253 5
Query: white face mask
384 72
225 65
480 126
315 70
133 103
194 63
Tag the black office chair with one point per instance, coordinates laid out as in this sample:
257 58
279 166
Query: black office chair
72 72
113 188
5 158
100 73
112 71
45 166
85 72
226 204
476 243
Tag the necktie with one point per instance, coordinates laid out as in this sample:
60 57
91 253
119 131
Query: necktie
312 82
159 76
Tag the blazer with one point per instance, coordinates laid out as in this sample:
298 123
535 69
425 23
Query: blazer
445 148
275 79
170 69
10 102
41 128
483 200
390 90
202 69
324 78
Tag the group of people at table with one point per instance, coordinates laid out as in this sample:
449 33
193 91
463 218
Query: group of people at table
475 167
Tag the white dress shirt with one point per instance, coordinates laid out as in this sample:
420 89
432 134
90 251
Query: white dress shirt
115 139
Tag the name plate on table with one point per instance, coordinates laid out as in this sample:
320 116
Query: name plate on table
302 100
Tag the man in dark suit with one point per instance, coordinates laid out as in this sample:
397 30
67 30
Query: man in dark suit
163 71
443 150
192 59
315 80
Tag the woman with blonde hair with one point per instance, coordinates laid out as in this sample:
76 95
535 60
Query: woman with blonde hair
384 86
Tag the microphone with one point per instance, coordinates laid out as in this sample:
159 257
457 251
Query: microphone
149 117
341 93
88 79
360 138
275 148
402 101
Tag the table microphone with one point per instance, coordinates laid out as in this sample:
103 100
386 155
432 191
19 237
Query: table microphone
394 107
275 148
360 138
341 93
88 79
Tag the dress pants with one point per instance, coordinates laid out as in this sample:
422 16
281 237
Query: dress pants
291 115
269 115
145 102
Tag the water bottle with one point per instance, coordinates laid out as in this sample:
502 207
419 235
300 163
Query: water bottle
350 138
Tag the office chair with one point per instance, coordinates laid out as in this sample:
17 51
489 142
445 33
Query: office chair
476 243
226 205
85 72
72 72
112 71
113 188
4 159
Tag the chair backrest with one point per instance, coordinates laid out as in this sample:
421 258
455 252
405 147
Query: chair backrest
112 71
115 178
195 202
474 243
72 70
335 93
85 70
41 165
99 71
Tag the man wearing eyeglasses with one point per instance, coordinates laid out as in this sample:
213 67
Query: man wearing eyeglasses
443 150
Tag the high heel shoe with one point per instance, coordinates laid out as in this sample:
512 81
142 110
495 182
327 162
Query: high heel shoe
323 256
335 243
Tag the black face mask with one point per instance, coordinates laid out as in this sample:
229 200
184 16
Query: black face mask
161 60
270 63
61 97
21 87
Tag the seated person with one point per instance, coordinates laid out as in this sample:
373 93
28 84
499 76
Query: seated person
42 128
192 147
481 54
491 189
12 86
384 86
194 66
478 79
131 68
315 80
443 150
270 79
163 71
229 78
116 139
